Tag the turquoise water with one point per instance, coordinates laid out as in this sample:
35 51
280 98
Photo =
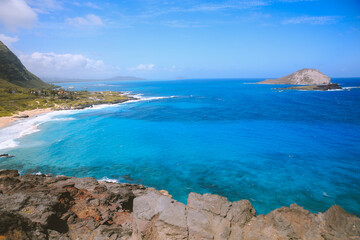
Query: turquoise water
239 140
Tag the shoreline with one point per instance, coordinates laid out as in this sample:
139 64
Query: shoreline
28 115
7 120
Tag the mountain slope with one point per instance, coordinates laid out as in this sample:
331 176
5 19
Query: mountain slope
306 76
14 72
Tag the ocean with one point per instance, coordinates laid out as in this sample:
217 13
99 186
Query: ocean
228 137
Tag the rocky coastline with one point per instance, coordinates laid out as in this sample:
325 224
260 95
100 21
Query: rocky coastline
45 207
324 87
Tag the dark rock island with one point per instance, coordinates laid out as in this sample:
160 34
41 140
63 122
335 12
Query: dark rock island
44 207
325 87
313 79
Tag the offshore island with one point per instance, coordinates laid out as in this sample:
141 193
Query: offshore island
310 79
61 207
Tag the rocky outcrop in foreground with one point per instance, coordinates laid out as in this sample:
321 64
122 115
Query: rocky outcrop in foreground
306 76
43 207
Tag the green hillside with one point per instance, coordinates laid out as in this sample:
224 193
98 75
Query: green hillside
13 72
21 90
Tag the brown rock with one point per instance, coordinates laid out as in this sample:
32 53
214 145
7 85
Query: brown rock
206 216
241 212
209 202
157 216
44 207
284 223
340 225
9 173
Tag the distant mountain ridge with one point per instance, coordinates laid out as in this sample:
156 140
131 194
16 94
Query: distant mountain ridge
67 80
13 72
306 76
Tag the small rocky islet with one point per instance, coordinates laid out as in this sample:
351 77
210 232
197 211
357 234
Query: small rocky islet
45 207
309 78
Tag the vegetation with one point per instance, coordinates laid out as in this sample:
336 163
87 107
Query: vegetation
15 99
13 71
21 90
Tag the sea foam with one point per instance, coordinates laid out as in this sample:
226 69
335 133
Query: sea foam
106 179
140 97
23 127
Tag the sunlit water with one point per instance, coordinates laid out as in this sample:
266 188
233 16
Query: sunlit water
239 140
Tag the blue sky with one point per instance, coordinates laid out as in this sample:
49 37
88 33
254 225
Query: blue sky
183 39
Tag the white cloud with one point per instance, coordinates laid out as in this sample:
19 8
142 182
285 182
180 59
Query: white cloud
64 65
173 68
87 4
143 67
88 20
238 5
92 5
207 7
7 40
16 14
44 6
313 20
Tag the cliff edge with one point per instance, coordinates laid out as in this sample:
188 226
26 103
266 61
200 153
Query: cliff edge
44 207
306 76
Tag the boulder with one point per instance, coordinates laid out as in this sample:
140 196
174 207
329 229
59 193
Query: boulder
338 224
157 216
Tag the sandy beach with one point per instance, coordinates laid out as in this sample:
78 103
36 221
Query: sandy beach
4 121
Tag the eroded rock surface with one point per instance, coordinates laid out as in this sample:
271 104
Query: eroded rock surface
43 207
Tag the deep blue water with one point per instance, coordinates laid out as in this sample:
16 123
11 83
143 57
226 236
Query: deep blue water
242 141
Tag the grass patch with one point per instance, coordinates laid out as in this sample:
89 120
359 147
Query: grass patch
14 99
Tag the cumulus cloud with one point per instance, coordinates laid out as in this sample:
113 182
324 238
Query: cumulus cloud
7 40
64 65
143 67
313 20
88 20
16 14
